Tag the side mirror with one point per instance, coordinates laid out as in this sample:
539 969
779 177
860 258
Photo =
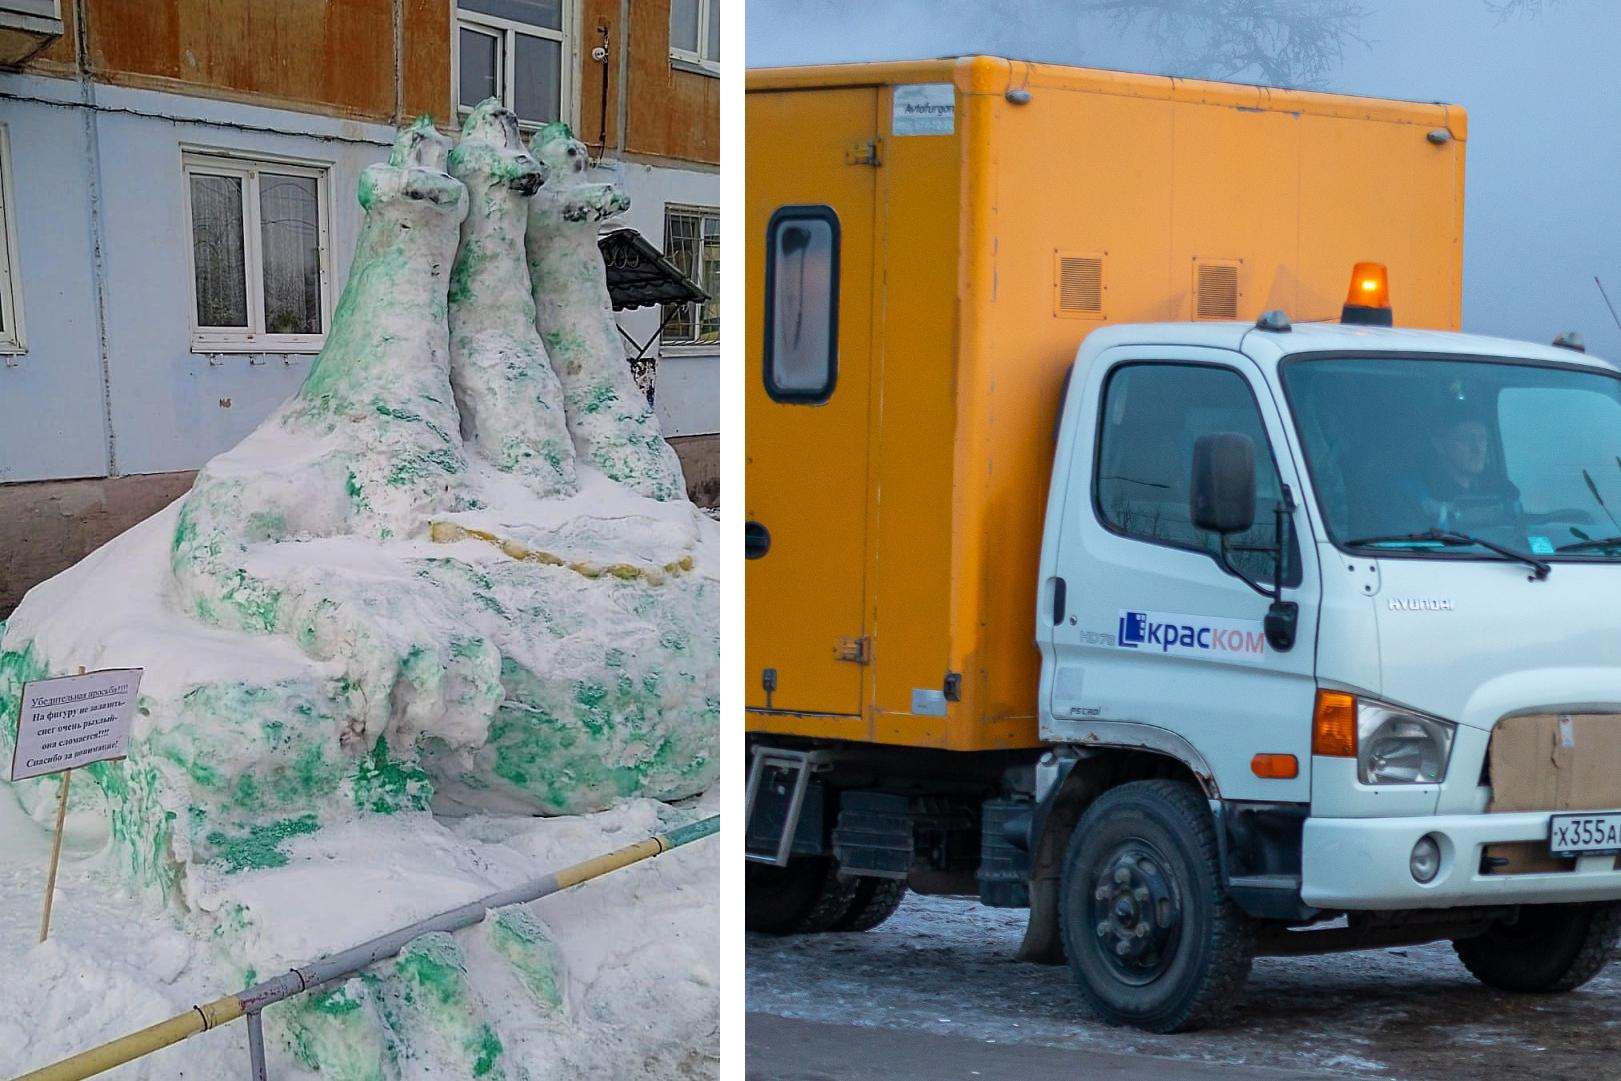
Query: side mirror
1221 497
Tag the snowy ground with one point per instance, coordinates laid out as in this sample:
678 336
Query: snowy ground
945 966
637 937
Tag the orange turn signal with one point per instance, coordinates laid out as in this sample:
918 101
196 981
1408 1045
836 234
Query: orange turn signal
1370 286
1333 725
1281 767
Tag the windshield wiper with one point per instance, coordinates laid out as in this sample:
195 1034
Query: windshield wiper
1590 542
1452 538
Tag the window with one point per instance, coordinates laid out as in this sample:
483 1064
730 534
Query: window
1524 455
1152 414
11 295
258 254
692 241
515 50
44 9
802 304
695 33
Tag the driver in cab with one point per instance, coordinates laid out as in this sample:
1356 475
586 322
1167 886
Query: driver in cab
1455 489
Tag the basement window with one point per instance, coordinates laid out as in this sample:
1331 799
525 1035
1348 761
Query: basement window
802 304
11 295
517 51
259 265
695 35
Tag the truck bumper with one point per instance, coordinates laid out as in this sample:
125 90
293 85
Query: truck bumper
1362 864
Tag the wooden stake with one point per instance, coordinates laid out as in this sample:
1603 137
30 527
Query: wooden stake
56 854
56 848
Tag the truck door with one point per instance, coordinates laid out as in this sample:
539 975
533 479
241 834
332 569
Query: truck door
1156 637
809 213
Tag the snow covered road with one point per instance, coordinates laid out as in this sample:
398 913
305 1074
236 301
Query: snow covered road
944 967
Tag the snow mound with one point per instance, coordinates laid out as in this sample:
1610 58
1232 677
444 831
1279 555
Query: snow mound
445 578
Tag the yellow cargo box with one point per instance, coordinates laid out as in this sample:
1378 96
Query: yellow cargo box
955 228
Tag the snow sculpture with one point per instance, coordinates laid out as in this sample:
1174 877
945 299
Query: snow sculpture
356 627
510 401
613 426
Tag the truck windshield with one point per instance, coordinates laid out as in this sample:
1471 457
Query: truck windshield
1520 455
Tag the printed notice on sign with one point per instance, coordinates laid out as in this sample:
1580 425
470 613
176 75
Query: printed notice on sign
926 109
72 721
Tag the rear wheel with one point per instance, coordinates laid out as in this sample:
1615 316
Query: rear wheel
1546 948
875 900
1152 938
802 898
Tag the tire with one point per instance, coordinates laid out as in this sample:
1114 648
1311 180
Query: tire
1547 948
1144 856
805 897
875 900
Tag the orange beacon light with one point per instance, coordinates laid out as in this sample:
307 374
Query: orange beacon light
1368 301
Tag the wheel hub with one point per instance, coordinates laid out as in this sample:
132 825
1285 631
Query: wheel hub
1136 913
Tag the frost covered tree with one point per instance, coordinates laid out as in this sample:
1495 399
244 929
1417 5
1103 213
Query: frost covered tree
1277 42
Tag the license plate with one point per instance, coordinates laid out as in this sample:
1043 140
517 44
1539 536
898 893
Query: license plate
1584 835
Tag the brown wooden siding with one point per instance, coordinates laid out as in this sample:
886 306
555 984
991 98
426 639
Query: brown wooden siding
673 113
337 57
58 57
428 43
313 55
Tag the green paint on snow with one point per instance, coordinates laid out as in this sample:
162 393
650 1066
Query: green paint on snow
387 786
341 1034
523 942
260 845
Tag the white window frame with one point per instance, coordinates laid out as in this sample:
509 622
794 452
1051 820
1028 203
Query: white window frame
12 339
707 9
690 348
506 31
213 162
43 9
32 16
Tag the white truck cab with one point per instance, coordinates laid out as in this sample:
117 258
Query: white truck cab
1364 584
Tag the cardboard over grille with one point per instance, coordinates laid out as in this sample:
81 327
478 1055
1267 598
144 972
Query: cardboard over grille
1552 762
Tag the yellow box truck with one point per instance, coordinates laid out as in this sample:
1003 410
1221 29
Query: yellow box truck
1113 553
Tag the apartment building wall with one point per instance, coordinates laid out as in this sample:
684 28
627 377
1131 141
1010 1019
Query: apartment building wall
114 401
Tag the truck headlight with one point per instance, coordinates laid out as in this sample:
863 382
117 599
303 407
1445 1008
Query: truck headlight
1396 746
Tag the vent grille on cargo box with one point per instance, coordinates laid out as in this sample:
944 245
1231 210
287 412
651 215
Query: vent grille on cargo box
1080 285
1215 290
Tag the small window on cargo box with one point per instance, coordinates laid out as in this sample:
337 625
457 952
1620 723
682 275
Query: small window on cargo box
1152 414
802 304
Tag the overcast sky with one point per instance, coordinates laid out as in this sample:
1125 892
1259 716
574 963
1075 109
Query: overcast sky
1543 196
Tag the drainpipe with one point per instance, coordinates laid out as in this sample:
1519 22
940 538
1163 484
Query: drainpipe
98 228
399 62
623 112
600 54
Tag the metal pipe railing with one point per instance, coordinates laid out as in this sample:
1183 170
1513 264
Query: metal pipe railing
340 966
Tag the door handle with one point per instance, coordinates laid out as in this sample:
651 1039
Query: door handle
756 540
1059 591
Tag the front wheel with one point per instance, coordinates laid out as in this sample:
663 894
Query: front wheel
1152 938
802 898
1545 948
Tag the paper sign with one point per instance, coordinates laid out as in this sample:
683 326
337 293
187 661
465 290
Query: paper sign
924 109
72 721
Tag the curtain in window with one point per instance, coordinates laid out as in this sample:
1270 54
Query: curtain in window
216 237
289 231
